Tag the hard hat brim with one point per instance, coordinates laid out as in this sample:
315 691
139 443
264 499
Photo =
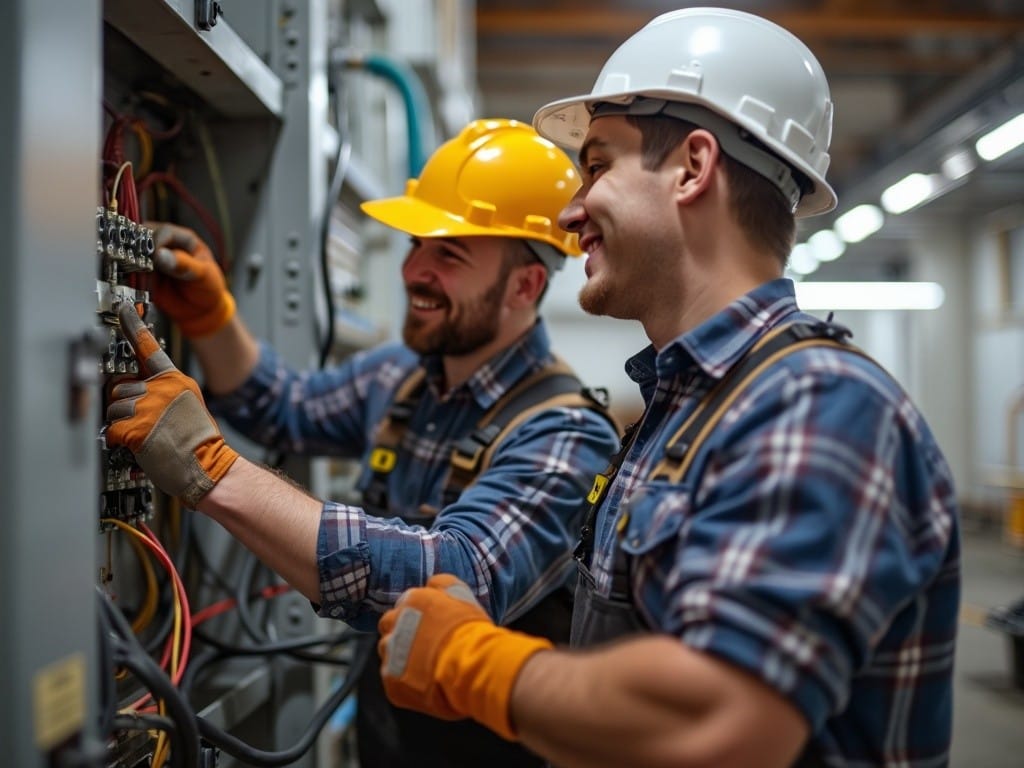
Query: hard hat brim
565 122
420 219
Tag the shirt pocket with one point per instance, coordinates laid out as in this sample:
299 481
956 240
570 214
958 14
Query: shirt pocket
651 518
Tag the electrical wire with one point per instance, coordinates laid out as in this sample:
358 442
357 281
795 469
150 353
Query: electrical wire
149 604
258 757
220 197
128 652
207 219
179 643
342 161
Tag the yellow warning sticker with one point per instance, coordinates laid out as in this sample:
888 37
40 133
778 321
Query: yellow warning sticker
59 700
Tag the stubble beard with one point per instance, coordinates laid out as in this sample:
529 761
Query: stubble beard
463 330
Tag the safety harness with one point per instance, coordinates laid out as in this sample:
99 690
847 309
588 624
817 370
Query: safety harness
552 386
682 447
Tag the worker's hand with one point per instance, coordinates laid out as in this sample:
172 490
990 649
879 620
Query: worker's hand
441 654
189 287
164 422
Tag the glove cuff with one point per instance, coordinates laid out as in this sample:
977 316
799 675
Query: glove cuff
209 322
478 669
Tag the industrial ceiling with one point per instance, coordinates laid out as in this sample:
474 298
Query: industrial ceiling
912 82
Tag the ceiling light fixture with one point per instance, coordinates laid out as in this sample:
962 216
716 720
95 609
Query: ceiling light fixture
998 142
958 165
826 245
802 260
908 192
854 225
813 295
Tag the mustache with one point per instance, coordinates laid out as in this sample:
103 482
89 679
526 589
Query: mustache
420 291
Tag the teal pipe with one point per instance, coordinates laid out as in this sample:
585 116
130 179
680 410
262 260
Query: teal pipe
414 96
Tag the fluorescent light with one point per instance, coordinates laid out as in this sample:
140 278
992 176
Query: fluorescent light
908 192
853 226
1007 136
870 295
958 165
826 245
802 260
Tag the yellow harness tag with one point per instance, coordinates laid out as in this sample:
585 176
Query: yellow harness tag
383 459
597 490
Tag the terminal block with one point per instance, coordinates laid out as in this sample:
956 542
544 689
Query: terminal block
125 252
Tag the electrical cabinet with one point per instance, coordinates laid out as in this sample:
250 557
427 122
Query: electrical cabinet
214 115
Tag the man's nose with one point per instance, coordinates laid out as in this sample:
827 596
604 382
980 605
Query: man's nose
574 215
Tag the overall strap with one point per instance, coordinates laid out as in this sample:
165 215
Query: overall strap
681 448
388 437
553 386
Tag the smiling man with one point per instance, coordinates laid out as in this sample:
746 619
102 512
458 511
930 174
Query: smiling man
485 240
770 571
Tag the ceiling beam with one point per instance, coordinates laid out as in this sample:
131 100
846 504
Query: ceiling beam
839 25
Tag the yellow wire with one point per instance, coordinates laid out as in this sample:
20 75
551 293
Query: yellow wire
177 632
160 751
148 610
145 149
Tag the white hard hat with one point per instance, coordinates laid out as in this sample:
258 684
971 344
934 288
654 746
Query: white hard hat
762 80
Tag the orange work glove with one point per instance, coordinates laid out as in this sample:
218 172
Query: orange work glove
164 422
441 654
190 288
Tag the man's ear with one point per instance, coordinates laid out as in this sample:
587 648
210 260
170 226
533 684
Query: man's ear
525 284
697 159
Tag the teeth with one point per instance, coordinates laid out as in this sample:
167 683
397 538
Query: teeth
424 304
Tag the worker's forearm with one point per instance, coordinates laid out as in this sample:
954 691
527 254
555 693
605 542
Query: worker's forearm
275 520
650 701
227 357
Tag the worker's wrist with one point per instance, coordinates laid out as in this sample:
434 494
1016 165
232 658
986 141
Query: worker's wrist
478 667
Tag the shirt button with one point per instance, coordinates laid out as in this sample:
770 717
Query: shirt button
431 427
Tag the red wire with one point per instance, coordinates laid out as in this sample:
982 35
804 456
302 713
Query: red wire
207 219
150 540
223 606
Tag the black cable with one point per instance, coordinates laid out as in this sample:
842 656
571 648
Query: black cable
206 567
341 164
107 681
141 721
243 587
129 653
258 757
291 646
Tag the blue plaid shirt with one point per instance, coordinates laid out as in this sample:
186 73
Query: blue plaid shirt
509 536
813 543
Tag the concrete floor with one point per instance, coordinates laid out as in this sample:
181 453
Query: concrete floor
988 727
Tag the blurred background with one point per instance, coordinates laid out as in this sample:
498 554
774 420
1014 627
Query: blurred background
264 123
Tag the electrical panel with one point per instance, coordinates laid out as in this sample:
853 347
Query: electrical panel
140 633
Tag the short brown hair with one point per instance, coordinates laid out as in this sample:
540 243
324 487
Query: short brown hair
760 207
517 253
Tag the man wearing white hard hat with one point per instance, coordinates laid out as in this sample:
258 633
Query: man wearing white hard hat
769 571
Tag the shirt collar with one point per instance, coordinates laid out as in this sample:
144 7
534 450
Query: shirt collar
499 374
719 342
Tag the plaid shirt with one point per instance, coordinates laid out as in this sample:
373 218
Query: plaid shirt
813 543
509 536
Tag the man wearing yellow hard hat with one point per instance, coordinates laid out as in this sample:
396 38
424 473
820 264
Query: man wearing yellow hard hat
477 443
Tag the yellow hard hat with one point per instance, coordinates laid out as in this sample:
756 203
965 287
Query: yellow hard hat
498 178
